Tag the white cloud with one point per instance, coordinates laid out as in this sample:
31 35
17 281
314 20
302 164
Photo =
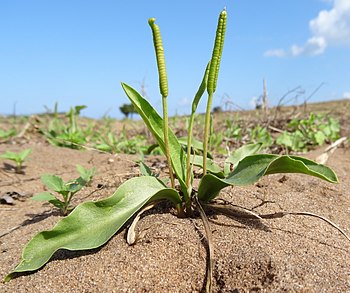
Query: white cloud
329 28
346 95
313 46
275 53
333 25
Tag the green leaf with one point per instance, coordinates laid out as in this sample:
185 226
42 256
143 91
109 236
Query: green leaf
47 196
201 89
91 224
44 196
151 148
24 154
196 144
86 174
53 182
6 134
10 156
145 170
155 125
212 167
75 185
252 168
320 137
58 204
79 108
239 154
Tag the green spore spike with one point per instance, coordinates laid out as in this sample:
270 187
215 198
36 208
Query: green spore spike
158 45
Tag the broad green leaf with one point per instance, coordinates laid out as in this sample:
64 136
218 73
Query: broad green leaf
252 168
44 196
10 156
6 134
53 182
212 167
239 154
196 144
91 224
47 196
155 124
24 154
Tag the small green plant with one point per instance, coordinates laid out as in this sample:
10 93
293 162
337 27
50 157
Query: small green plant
6 134
92 224
261 134
70 135
64 191
108 143
121 144
18 158
233 130
303 134
86 174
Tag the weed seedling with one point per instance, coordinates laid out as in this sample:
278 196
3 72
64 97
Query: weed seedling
86 174
70 135
6 134
66 190
18 158
92 224
303 134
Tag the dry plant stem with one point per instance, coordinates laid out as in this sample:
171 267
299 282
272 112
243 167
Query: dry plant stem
234 210
131 236
282 214
323 158
10 230
166 140
251 215
208 286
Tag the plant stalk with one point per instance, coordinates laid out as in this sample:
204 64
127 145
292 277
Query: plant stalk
212 80
166 139
189 167
163 86
188 163
206 132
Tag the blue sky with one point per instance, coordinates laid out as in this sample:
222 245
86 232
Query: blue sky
77 52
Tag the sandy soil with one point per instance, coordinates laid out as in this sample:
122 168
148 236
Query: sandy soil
292 254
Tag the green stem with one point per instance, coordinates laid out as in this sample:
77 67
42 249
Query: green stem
187 196
166 139
67 202
189 146
195 102
206 132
